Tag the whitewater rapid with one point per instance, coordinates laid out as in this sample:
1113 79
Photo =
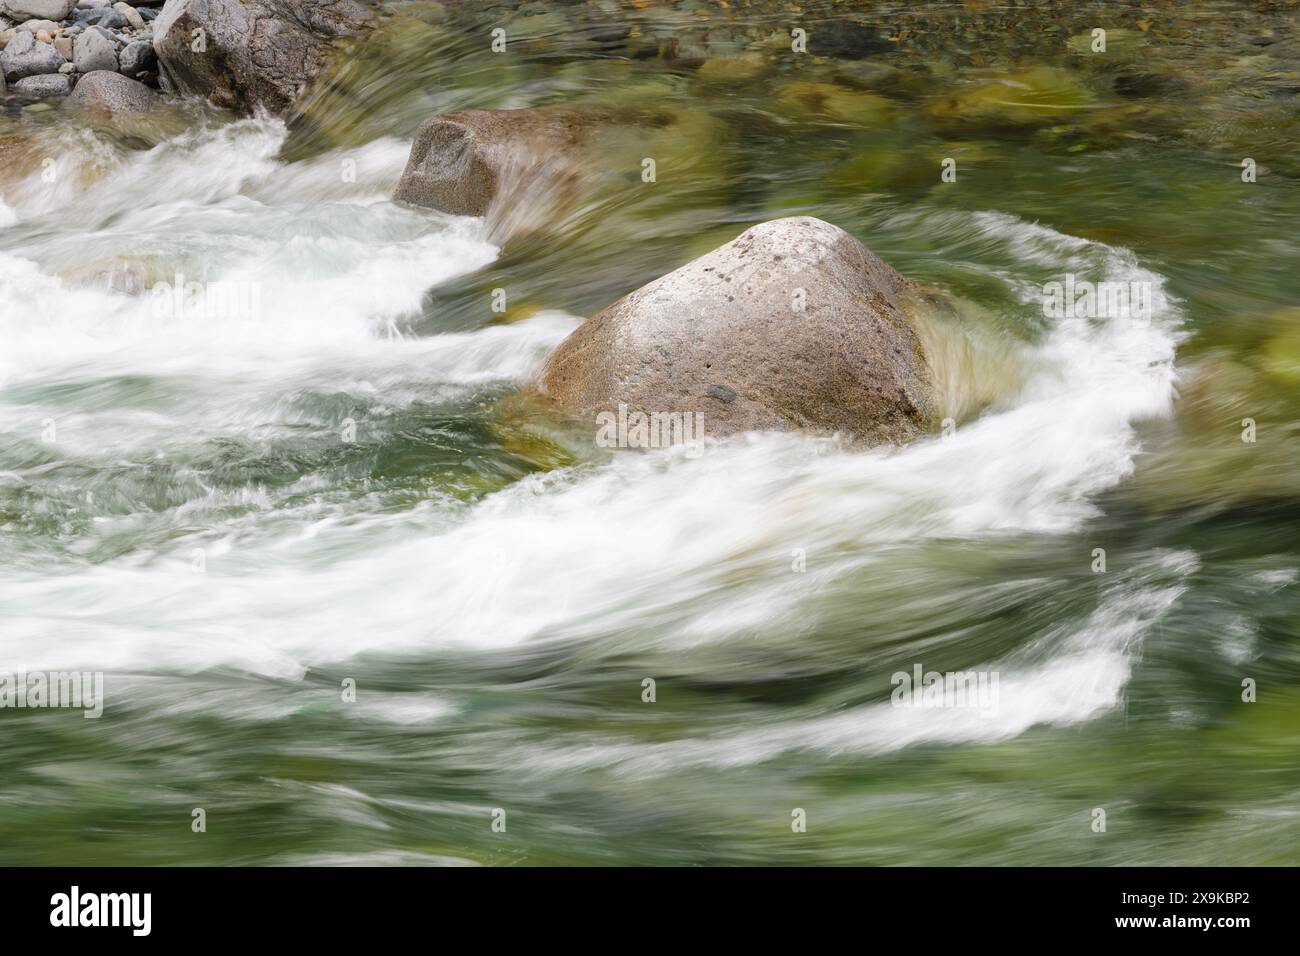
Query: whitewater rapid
645 552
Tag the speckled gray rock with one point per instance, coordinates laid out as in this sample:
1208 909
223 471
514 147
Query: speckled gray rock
793 324
459 162
257 52
137 57
37 9
24 55
113 93
45 85
93 51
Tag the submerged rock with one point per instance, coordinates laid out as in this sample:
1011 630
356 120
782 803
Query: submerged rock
738 71
253 52
20 156
816 102
794 324
1037 96
844 38
463 162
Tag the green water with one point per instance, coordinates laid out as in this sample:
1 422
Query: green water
498 589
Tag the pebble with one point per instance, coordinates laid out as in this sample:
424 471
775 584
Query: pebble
103 17
130 15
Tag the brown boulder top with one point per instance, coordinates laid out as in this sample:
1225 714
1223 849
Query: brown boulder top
460 162
793 324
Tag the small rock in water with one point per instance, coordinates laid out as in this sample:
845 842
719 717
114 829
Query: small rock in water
844 38
64 46
113 93
25 56
93 51
734 70
1146 84
462 162
43 86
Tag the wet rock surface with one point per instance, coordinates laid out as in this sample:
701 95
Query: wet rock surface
793 324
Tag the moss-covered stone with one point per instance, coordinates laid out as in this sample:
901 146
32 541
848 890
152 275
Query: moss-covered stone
1037 96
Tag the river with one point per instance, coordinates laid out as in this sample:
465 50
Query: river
351 594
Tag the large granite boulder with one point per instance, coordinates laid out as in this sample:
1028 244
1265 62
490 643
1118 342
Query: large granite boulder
792 325
243 54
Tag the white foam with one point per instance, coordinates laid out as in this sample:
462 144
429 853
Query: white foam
1061 682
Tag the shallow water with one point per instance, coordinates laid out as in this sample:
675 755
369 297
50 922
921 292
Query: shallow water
234 514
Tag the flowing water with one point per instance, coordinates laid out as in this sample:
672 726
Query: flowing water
240 513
